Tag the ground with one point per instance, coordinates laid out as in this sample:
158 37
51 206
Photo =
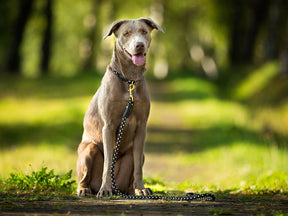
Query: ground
275 205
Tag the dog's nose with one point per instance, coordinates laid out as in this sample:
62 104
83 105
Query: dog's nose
139 46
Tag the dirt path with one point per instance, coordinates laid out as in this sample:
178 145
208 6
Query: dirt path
232 206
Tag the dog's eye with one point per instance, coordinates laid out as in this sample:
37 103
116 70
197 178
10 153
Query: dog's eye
144 32
126 34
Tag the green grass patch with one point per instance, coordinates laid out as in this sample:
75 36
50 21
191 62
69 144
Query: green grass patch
256 81
41 183
196 140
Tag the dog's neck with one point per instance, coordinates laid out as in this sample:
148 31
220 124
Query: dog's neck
123 65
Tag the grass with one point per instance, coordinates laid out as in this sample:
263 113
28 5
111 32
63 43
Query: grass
256 81
39 182
196 140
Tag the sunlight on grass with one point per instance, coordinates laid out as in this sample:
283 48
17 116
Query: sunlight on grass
256 80
37 110
195 140
212 143
272 119
198 88
28 117
25 158
238 165
41 129
198 114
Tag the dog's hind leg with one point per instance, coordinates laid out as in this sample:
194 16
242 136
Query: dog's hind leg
86 156
124 173
96 173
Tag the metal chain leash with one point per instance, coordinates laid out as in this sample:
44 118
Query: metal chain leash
127 112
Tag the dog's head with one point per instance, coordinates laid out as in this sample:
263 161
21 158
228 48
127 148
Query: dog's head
133 37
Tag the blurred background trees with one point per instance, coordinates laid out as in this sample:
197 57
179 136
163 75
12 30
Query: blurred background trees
201 37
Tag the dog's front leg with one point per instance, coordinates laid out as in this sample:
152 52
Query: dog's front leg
138 157
106 187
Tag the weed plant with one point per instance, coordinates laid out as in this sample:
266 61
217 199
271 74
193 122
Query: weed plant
42 182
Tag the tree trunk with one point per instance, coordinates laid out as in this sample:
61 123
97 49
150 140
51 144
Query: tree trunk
92 41
284 55
47 38
272 30
236 27
13 61
248 16
257 18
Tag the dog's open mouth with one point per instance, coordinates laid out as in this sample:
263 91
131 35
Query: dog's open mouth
138 59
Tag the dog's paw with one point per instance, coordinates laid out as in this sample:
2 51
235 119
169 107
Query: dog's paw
143 192
81 191
104 191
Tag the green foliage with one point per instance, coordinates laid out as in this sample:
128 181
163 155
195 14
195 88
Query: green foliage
279 213
153 181
256 81
42 182
156 184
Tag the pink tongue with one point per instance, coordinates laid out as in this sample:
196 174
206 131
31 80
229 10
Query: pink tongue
138 60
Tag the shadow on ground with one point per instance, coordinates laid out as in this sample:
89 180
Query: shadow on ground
164 140
68 134
160 140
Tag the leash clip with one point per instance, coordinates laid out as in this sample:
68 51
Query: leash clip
131 89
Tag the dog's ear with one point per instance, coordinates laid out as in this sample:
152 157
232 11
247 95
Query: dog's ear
114 26
151 23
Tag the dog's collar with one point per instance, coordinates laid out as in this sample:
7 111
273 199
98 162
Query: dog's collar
131 83
124 79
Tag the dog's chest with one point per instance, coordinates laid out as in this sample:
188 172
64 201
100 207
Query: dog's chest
129 133
134 126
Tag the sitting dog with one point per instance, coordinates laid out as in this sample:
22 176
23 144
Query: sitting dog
103 117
